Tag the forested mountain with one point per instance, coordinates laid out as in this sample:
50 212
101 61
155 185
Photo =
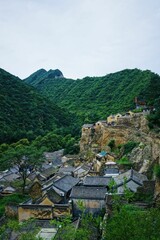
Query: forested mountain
42 74
24 112
94 98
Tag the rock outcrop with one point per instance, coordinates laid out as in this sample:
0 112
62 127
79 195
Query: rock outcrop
132 129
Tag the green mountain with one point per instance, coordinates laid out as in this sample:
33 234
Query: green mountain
24 112
42 74
94 98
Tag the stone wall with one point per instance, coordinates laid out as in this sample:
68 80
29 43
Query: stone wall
11 210
91 206
42 211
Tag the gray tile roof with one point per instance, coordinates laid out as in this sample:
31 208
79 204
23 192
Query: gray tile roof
130 185
11 177
82 168
54 157
48 172
96 181
68 170
111 170
9 190
52 195
83 192
130 174
66 183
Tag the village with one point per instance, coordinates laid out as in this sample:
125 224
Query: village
65 181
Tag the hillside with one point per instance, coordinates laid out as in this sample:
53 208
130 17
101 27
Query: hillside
42 74
24 112
94 98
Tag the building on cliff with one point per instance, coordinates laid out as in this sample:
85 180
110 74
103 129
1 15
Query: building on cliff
130 180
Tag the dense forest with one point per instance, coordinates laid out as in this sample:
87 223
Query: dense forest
93 98
62 105
26 113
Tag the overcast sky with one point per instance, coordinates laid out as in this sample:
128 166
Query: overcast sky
79 37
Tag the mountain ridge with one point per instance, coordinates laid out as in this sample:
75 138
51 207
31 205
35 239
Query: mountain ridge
25 112
42 74
94 98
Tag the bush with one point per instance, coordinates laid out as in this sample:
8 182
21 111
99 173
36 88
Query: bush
157 171
125 163
133 224
14 198
111 144
127 147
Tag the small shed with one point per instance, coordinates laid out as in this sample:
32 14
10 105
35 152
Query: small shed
101 155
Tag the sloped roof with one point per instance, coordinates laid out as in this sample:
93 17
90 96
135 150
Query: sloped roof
82 168
48 172
37 175
88 125
96 181
130 174
111 171
110 163
9 190
52 195
14 169
47 184
102 154
11 177
47 233
54 155
68 169
83 192
66 183
129 185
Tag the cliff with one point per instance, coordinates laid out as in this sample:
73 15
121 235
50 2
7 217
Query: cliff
126 129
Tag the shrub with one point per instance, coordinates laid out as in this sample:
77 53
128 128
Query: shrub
111 144
157 171
127 147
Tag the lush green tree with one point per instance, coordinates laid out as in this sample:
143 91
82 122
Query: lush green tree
87 229
25 158
157 171
25 112
114 92
111 144
131 223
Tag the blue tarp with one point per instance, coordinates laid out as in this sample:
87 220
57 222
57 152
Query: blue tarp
103 153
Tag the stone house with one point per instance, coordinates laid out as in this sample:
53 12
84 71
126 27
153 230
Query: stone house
91 198
45 203
111 172
81 171
97 181
112 119
131 180
67 170
65 185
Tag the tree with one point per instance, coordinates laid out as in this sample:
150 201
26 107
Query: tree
132 223
25 158
88 227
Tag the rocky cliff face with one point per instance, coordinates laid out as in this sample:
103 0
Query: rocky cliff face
132 129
